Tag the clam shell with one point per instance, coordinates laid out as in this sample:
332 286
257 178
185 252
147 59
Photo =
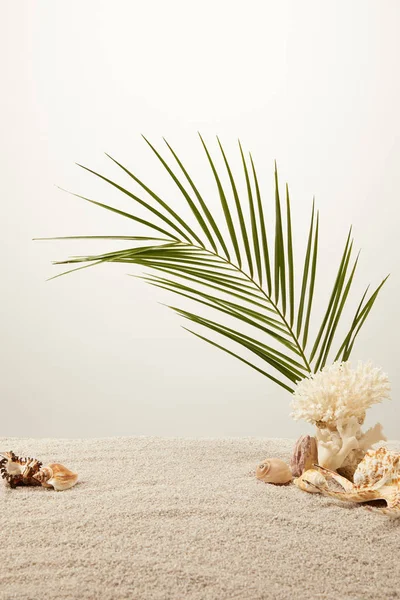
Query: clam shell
274 470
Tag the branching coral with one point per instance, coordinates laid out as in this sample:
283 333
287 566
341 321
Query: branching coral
336 400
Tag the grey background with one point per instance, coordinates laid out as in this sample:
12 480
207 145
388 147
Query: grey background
313 84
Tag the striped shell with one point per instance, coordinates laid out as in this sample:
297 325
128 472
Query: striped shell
17 470
378 467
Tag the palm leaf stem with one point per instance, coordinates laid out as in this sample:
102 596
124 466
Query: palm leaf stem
270 301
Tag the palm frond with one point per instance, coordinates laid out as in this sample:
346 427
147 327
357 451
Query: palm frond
251 291
304 283
290 256
358 321
239 211
263 240
280 268
203 206
253 219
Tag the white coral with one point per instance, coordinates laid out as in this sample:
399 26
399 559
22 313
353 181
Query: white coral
339 392
335 400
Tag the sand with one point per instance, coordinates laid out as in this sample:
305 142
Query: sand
168 518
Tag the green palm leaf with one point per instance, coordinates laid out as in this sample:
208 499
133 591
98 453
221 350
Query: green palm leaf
280 276
239 211
253 291
253 218
225 206
359 320
290 256
203 206
263 240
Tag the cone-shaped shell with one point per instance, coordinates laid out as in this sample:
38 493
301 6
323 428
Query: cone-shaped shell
309 480
56 476
274 470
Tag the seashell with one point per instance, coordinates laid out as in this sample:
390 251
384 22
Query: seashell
56 476
18 471
305 455
274 470
377 477
310 481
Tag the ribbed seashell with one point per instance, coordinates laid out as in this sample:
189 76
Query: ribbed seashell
18 470
305 455
378 467
274 470
56 476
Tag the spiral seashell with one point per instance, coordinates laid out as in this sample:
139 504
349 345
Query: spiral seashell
56 476
274 470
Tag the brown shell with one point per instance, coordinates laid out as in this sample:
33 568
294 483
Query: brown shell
18 470
305 455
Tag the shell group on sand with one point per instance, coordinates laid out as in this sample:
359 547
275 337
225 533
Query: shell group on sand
335 401
29 471
339 461
377 477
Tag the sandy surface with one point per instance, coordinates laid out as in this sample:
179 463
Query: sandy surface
169 518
